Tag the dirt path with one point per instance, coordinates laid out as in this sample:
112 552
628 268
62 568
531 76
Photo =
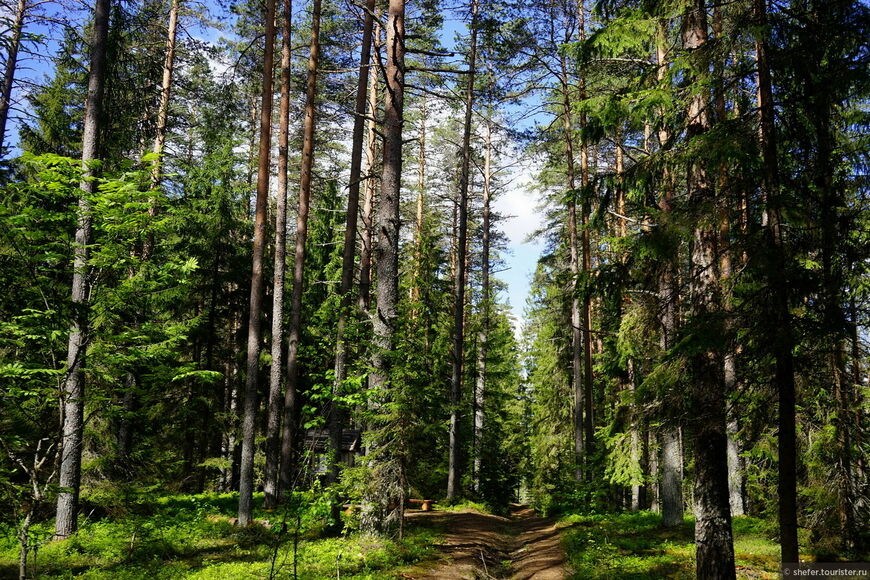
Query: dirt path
481 546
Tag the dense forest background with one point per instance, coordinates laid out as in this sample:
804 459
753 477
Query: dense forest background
252 248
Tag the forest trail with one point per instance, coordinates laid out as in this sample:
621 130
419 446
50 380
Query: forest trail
482 546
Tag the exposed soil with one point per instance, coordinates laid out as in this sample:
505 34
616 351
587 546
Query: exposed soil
481 546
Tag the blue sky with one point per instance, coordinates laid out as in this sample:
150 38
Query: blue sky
516 201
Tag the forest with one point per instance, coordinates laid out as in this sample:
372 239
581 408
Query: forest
259 321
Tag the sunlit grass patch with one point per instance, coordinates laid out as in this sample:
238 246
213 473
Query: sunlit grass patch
634 546
195 537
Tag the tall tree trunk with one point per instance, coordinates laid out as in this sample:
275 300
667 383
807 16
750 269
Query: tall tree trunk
486 300
453 465
585 268
365 256
714 556
574 269
73 396
637 488
276 372
735 461
726 270
165 92
350 232
249 417
415 290
11 65
133 378
162 118
294 332
670 496
387 501
229 443
831 291
781 320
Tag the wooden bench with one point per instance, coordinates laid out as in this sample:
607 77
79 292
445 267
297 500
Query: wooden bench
425 504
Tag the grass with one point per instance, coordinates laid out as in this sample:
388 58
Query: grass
634 546
193 537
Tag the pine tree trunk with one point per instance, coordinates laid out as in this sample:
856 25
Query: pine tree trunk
249 417
483 335
365 255
276 372
294 331
162 118
781 320
415 290
385 510
714 557
350 233
73 396
574 269
11 66
585 268
455 442
165 91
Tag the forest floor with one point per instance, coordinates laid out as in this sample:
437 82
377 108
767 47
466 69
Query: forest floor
634 545
475 545
193 537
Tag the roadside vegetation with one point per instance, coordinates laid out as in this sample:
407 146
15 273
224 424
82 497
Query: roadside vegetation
195 536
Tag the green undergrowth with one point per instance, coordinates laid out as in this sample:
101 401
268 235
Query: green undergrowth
464 505
194 537
634 546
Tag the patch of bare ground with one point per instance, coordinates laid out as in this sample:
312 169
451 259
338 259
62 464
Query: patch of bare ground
479 546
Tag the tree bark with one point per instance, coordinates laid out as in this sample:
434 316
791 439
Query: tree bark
585 268
783 341
714 557
455 442
165 91
735 464
294 331
574 269
365 257
350 231
486 300
162 118
73 395
670 496
276 371
386 503
11 65
415 290
249 417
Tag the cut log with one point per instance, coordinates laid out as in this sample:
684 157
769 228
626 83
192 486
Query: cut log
425 504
